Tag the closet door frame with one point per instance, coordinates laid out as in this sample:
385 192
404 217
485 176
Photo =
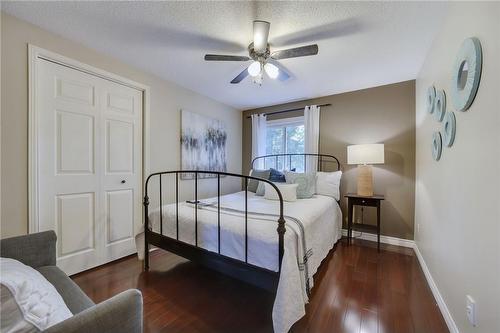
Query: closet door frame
36 54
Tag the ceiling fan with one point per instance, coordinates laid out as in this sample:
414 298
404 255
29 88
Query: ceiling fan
263 59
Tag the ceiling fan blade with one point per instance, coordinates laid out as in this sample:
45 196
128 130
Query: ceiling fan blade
240 76
301 51
260 35
221 57
283 74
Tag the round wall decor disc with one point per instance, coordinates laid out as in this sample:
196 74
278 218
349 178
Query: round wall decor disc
466 74
440 105
436 145
449 128
431 96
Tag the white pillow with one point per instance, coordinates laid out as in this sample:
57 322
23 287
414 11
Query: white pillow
328 183
288 191
306 183
38 300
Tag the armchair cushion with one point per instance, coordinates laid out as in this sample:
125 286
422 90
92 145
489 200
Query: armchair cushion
73 296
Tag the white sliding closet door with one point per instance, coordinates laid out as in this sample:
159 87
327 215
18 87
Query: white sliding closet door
89 163
121 163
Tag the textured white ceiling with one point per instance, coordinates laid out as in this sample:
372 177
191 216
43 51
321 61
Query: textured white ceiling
361 44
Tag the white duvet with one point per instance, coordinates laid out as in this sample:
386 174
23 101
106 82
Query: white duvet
318 219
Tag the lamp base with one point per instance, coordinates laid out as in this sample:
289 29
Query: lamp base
365 180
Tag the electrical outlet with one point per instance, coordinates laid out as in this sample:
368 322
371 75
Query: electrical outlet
470 309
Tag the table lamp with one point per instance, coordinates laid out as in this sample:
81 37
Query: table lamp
364 156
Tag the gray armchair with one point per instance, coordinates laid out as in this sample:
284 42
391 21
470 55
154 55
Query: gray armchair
121 313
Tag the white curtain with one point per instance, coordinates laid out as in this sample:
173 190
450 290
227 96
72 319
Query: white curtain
311 139
259 133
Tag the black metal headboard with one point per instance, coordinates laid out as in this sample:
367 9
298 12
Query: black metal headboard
322 158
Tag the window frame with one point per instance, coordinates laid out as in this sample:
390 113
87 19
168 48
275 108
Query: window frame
284 123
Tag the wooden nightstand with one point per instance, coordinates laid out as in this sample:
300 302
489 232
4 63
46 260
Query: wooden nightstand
358 200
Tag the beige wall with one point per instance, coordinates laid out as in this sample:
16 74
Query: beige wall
166 101
457 211
0 119
378 115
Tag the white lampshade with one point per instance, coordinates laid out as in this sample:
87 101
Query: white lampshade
271 70
365 154
254 69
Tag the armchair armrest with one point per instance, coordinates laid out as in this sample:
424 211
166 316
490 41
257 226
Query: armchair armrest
119 314
34 250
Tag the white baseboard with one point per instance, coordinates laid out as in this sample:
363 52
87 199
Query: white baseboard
383 239
435 291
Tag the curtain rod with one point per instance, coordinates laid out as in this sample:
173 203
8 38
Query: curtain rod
290 110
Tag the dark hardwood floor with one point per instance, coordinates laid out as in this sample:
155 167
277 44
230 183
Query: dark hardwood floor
357 289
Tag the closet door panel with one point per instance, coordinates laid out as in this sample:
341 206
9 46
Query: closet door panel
75 143
119 146
69 180
89 165
122 176
75 217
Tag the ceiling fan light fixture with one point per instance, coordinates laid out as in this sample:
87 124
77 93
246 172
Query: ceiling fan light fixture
255 68
271 70
258 79
264 60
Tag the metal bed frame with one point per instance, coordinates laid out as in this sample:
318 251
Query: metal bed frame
320 159
243 270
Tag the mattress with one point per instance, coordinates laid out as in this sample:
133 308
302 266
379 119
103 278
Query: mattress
313 226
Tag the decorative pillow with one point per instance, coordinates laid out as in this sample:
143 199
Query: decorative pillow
328 183
261 189
252 183
277 176
306 183
288 191
37 299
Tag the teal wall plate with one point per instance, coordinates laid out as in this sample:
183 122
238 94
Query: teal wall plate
466 74
436 145
449 128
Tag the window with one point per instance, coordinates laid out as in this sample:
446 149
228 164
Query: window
285 136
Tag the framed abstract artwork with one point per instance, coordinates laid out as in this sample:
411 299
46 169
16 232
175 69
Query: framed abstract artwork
203 144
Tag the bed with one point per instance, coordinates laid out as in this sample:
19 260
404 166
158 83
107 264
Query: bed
274 244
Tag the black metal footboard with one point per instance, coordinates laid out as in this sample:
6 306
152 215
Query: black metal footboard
240 269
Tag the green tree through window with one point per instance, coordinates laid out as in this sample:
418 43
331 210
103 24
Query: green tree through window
286 138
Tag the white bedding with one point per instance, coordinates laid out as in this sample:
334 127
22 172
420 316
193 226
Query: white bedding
38 300
320 217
